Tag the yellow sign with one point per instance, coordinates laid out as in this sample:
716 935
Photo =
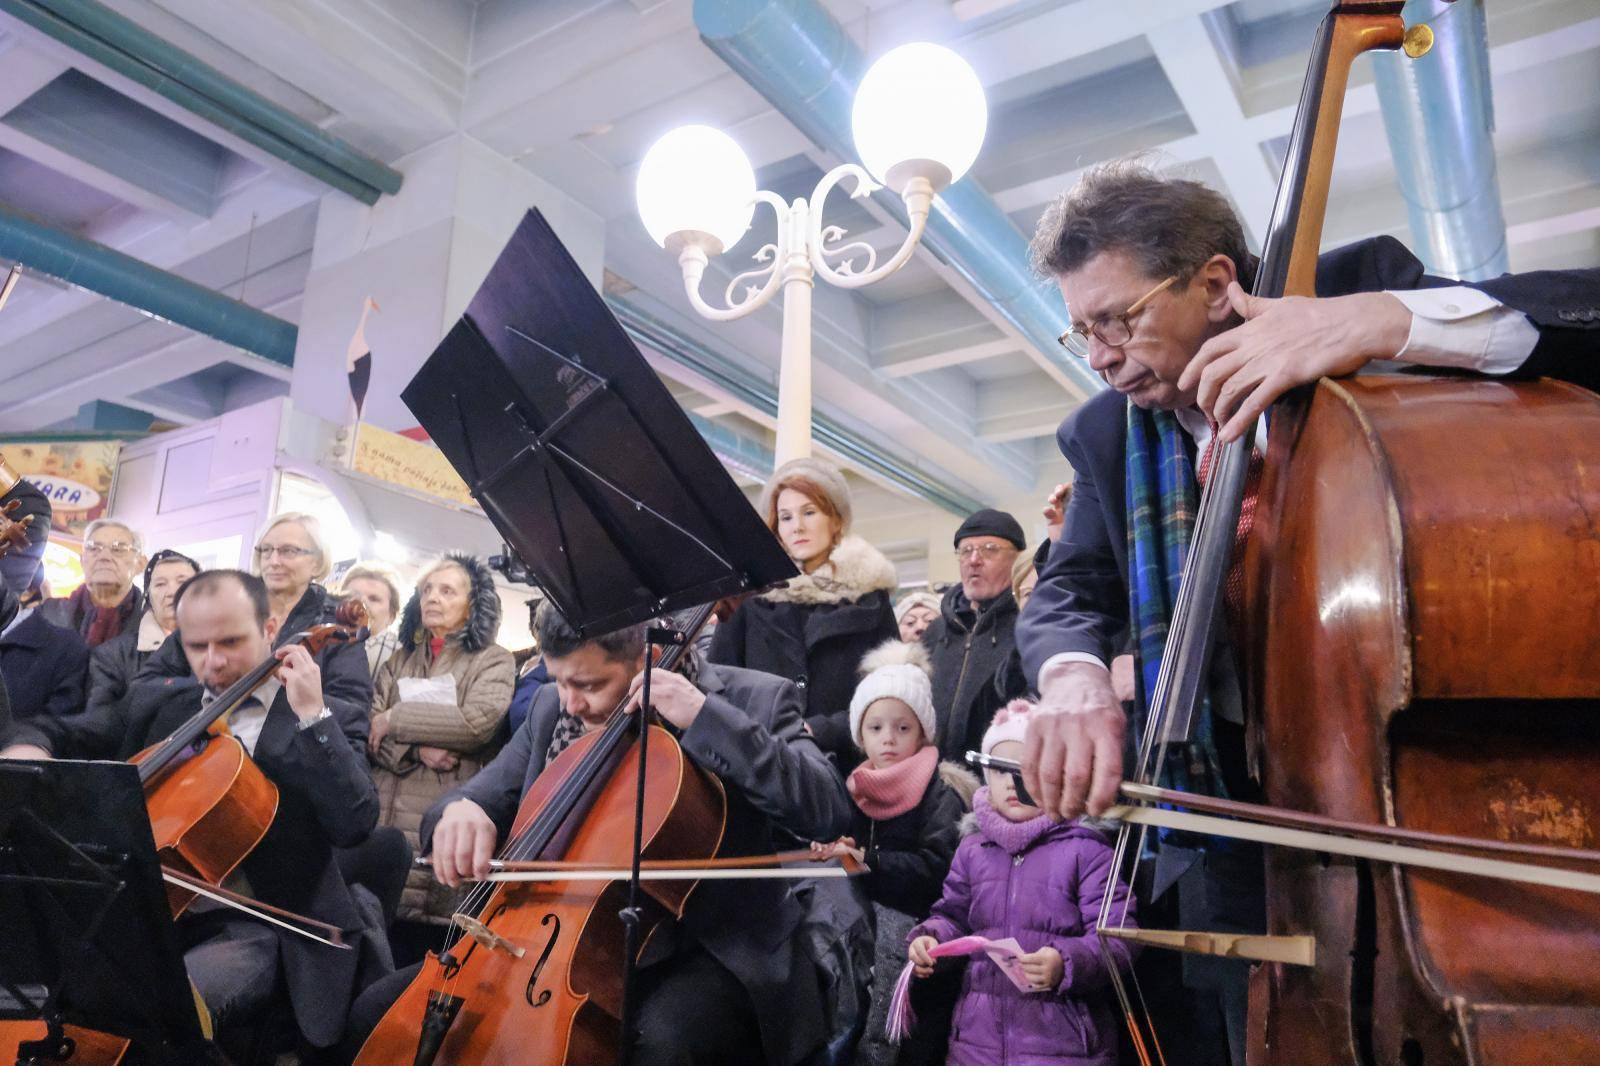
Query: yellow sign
74 475
409 464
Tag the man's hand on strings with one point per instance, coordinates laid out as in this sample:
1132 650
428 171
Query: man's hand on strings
1288 342
463 844
1072 755
24 751
674 697
302 680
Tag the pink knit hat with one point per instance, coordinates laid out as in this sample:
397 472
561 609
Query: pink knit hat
1010 723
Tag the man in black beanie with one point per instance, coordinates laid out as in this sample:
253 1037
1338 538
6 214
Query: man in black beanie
975 632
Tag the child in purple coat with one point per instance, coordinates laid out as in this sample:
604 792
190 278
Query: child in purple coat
1022 875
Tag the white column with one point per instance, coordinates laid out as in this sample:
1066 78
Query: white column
794 364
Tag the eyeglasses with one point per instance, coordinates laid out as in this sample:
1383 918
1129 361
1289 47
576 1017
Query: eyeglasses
286 552
116 547
983 551
1113 330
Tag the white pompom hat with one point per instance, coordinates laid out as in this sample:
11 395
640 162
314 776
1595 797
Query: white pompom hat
895 670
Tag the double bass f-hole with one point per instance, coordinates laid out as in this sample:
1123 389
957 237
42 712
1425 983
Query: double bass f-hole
544 957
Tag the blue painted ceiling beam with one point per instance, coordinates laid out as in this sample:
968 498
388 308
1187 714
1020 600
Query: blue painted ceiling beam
796 55
122 45
646 329
144 287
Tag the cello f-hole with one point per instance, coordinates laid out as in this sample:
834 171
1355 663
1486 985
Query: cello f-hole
538 967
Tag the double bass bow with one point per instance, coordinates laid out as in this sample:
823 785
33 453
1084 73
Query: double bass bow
1419 661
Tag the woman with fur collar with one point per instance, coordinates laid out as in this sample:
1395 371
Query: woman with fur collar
438 706
817 630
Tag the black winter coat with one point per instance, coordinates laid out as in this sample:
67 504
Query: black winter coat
44 667
815 633
910 854
968 650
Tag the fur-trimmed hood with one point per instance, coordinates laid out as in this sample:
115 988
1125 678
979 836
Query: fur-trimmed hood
483 614
853 570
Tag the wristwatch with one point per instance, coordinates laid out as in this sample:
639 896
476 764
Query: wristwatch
307 723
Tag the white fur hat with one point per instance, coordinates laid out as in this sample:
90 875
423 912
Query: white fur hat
1010 723
820 472
895 670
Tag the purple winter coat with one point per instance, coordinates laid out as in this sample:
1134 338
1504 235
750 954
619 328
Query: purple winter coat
1049 894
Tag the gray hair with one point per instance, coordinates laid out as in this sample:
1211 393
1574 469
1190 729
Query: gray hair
1169 226
313 528
100 523
557 639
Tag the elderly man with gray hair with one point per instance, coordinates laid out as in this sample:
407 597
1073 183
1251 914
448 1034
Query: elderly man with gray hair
106 603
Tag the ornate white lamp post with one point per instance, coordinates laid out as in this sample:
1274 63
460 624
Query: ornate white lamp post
919 119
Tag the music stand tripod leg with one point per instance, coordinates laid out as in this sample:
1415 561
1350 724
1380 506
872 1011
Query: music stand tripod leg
654 637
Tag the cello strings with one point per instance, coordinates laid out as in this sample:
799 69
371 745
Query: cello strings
536 836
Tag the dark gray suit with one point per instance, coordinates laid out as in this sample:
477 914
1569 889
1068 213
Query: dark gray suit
750 734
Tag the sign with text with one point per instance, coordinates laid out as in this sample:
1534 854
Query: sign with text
74 475
417 466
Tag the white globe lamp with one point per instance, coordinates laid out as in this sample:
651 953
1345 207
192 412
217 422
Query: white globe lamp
920 112
696 187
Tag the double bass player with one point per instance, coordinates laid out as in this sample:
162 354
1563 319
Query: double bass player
1154 271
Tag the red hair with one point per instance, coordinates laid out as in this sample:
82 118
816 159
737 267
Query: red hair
811 491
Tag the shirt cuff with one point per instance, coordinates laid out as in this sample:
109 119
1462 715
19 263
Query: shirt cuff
1466 329
1056 665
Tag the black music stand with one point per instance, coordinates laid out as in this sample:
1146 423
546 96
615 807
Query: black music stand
579 455
86 935
587 467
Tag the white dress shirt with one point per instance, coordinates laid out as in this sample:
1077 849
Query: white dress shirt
1456 326
245 721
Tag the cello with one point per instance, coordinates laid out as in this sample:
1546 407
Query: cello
1421 657
209 806
535 975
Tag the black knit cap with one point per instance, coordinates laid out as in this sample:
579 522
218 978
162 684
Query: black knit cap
991 523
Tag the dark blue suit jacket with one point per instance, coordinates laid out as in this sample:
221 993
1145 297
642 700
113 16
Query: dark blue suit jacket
1081 601
45 667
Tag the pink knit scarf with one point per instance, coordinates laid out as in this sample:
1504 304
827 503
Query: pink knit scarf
1015 837
896 789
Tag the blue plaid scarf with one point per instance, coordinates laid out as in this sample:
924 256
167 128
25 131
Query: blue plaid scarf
1163 496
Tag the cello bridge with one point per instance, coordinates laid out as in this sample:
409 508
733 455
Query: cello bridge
488 938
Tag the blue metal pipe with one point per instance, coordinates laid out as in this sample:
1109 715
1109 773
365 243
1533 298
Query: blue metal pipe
1438 112
139 285
122 45
646 329
796 55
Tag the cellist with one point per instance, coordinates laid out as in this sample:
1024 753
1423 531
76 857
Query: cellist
1154 271
729 984
326 799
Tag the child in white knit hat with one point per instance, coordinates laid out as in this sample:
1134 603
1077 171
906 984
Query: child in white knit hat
907 805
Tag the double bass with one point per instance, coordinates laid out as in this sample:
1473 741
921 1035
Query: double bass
1422 585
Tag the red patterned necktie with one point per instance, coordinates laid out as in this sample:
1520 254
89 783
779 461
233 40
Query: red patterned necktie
1233 592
